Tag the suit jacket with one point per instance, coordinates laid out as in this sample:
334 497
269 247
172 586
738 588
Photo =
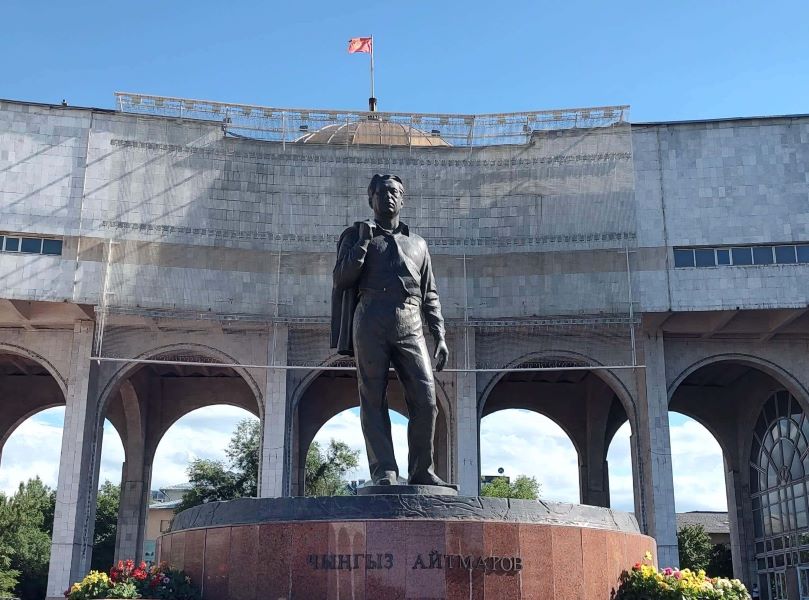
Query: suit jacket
347 272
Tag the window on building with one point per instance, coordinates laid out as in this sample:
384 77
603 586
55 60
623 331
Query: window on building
762 255
52 247
683 257
785 255
30 245
165 525
803 582
705 257
742 256
779 473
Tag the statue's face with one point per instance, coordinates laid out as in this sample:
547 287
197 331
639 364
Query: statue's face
388 198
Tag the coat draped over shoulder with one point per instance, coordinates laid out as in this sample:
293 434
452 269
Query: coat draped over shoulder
344 301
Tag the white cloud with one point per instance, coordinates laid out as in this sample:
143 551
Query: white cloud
203 433
699 479
619 459
112 456
698 472
523 442
33 449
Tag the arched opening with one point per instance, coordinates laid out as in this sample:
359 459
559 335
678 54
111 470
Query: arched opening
143 401
27 387
345 427
524 442
727 396
779 473
589 405
32 449
322 395
201 434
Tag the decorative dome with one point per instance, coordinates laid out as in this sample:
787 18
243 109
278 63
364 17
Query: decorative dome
372 132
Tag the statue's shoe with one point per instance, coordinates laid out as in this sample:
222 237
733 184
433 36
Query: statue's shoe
430 479
389 478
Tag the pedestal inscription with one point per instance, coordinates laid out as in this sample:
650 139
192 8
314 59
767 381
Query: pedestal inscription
403 547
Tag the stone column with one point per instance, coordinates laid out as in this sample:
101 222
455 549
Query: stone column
742 539
593 471
595 484
654 485
271 469
135 479
132 511
74 519
466 406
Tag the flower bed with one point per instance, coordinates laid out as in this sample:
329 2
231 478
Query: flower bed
127 581
645 582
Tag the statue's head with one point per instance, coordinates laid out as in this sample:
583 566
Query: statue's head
386 195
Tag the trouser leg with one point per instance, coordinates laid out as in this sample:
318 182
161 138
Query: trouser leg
411 360
373 361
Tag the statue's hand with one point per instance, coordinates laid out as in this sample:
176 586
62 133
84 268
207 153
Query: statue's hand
366 235
441 353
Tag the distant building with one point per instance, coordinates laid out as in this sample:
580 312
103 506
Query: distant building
715 524
160 514
484 479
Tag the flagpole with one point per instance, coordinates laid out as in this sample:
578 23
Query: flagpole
372 100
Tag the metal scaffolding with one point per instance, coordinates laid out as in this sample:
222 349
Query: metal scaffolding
297 124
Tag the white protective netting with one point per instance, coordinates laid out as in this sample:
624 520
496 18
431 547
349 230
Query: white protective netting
214 221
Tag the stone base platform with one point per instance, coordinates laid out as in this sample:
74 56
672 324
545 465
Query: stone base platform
408 490
390 547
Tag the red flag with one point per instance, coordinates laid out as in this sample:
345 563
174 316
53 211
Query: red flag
360 44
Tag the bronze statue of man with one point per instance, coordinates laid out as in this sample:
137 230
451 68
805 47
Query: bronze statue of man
383 283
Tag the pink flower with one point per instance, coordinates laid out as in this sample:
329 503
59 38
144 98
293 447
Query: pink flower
668 571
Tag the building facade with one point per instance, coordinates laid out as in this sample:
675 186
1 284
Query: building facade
171 254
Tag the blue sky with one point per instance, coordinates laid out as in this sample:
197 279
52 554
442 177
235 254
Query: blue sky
668 60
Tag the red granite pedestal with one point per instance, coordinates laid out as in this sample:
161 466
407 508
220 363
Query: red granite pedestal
405 558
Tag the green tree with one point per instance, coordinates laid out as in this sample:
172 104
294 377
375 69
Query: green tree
213 480
9 578
242 452
26 519
210 481
106 526
695 547
721 563
326 469
523 487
